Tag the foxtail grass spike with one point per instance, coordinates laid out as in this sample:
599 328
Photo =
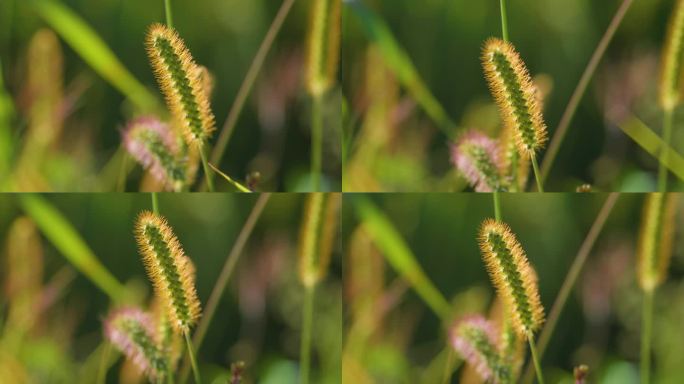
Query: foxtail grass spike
672 60
654 247
132 332
477 157
474 338
511 274
181 82
512 88
323 45
515 168
171 272
317 236
152 143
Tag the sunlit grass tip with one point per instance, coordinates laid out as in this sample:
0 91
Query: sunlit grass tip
475 339
132 332
317 236
153 144
515 94
512 275
170 270
670 87
323 45
477 157
654 247
182 82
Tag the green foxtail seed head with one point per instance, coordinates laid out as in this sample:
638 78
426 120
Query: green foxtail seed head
477 157
317 236
153 144
654 247
474 338
515 168
511 345
671 61
131 331
171 272
170 342
512 275
510 84
181 82
323 45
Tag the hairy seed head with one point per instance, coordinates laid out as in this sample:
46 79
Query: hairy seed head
476 156
132 332
171 272
671 61
654 247
181 82
474 338
324 45
152 143
516 168
317 236
512 275
512 88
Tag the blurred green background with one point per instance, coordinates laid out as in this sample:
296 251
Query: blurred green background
272 134
600 325
257 321
443 39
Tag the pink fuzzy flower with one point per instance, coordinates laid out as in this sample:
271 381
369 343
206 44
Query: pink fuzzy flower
476 156
475 339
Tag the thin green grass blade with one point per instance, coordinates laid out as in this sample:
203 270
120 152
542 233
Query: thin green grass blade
400 64
400 257
6 115
66 240
652 143
94 51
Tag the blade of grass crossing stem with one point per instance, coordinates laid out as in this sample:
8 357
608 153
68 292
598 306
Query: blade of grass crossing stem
66 240
653 144
400 64
94 51
400 257
571 279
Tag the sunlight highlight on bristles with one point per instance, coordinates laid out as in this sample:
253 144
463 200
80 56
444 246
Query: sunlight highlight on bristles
477 157
515 94
182 83
323 45
512 275
672 60
654 248
132 332
475 339
317 236
170 270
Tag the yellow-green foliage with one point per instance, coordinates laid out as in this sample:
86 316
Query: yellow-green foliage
654 247
671 61
317 236
323 45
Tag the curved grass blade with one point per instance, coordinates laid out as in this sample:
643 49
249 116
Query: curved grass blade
65 238
94 51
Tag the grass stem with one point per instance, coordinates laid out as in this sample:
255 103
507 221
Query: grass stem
535 167
193 359
646 331
316 142
169 13
535 360
504 20
578 93
497 205
208 176
307 325
668 116
155 203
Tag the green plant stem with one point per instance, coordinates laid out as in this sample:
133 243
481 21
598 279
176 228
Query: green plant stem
207 175
248 82
535 167
155 203
316 141
504 20
535 360
497 205
224 277
571 279
578 93
169 13
229 179
646 331
193 360
102 368
668 117
307 325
